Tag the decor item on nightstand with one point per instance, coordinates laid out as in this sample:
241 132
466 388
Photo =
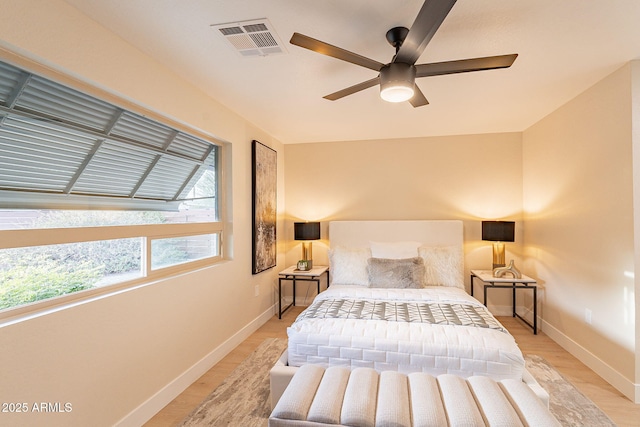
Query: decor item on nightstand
501 271
306 231
264 185
498 232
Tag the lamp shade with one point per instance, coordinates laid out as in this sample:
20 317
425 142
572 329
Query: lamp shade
498 231
306 230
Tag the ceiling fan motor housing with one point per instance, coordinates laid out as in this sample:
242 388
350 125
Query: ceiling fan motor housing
397 81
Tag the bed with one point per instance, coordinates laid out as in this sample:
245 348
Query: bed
397 302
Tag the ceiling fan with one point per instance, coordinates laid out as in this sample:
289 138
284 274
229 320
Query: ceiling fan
397 78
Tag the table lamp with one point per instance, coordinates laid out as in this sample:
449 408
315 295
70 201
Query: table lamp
498 232
306 231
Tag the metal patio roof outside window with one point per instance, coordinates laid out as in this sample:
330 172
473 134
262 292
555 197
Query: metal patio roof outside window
58 141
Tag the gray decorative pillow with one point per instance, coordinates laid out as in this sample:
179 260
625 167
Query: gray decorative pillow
396 273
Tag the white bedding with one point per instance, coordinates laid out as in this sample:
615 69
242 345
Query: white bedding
404 347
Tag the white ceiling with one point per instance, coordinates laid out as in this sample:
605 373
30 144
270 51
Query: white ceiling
564 47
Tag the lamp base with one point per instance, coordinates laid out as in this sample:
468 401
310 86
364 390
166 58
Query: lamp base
498 255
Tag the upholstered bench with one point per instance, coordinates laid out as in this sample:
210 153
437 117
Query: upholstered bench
281 375
363 397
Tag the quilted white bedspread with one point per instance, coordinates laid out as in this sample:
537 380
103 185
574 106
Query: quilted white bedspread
404 347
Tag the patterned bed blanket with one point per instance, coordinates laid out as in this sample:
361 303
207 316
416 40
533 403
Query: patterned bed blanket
440 313
438 330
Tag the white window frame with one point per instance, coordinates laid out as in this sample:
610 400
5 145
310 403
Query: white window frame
38 237
52 236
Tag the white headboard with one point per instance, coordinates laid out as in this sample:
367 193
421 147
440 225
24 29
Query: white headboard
360 233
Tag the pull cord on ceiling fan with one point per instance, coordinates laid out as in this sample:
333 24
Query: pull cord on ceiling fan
397 78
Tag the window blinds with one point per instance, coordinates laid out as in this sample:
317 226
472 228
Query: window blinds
56 140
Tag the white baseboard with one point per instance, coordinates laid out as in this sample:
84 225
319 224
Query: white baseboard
155 403
608 373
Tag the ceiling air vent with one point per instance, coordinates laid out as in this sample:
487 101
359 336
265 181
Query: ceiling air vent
251 38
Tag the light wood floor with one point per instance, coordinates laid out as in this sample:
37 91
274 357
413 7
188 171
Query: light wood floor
621 410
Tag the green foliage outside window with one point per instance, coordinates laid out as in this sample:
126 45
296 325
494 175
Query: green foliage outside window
23 284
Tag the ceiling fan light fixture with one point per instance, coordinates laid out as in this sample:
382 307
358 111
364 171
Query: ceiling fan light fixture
397 81
398 93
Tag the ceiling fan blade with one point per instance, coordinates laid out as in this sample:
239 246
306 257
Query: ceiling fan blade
427 22
465 65
418 99
333 51
353 89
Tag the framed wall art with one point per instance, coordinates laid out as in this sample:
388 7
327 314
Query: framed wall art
264 185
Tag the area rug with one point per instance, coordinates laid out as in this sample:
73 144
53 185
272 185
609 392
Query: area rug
567 403
243 397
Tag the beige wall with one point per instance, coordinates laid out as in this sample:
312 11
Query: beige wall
109 356
579 234
472 177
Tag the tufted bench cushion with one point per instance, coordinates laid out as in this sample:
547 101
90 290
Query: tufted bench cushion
336 396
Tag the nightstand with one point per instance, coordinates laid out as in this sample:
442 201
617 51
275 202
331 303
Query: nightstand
294 275
525 282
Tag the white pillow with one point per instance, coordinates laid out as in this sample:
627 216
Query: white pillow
348 266
394 250
444 265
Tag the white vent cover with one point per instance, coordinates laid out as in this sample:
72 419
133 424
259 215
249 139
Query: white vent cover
251 38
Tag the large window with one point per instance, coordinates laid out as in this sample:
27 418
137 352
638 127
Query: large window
93 195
